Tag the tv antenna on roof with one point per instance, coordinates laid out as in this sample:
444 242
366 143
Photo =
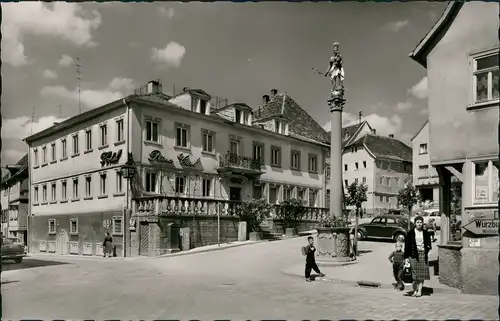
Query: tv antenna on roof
78 79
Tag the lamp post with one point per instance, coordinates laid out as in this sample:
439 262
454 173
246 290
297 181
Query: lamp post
128 172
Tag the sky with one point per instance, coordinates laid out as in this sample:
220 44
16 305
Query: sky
237 51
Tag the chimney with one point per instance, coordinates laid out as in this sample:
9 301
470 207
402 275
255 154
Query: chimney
265 99
374 131
391 135
153 86
274 92
184 89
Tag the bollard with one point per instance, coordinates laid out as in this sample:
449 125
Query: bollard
114 250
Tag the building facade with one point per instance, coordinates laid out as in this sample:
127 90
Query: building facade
425 176
460 54
190 158
15 207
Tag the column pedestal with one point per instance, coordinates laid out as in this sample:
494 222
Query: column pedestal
332 246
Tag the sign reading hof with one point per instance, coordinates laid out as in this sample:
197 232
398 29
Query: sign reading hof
110 158
186 161
156 156
483 227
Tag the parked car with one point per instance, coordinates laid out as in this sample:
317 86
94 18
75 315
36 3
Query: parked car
384 227
12 250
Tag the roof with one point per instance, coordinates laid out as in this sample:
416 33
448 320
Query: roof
198 92
301 124
349 132
425 46
21 166
418 132
385 147
240 105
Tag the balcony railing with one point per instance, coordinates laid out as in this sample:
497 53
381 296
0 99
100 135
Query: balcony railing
236 161
171 205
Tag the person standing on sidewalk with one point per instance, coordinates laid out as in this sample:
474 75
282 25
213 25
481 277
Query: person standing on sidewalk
417 246
309 251
108 245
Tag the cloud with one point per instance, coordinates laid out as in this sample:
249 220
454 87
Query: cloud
404 106
383 125
91 98
21 127
424 111
49 74
167 12
12 156
419 90
65 60
67 21
171 55
398 25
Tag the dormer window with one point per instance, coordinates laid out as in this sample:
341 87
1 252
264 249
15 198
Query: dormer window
237 116
194 104
203 106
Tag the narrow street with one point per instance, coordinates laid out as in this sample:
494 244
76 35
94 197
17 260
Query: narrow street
239 283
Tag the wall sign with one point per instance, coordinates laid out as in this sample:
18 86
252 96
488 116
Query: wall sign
110 158
186 161
156 156
483 227
106 224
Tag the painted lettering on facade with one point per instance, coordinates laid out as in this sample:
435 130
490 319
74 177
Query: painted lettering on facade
156 156
110 158
184 160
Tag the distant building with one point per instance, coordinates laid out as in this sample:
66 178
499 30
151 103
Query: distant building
425 176
461 54
15 207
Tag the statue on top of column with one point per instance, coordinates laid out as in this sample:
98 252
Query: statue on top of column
335 70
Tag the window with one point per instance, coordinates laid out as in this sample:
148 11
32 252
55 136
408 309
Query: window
76 192
73 226
182 139
295 160
390 220
203 106
151 179
385 165
486 186
312 198
356 180
117 225
485 78
234 147
364 180
206 187
313 163
88 186
423 171
356 165
180 184
382 180
345 167
88 140
275 156
423 149
104 135
300 194
64 190
346 182
194 104
44 193
152 131
257 192
119 130
237 116
327 171
53 192
35 195
207 143
388 181
103 184
381 198
277 126
35 157
52 226
273 195
64 149
53 149
44 155
387 199
258 152
75 145
119 181
364 164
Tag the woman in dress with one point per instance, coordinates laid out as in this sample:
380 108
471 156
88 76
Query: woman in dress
108 245
417 246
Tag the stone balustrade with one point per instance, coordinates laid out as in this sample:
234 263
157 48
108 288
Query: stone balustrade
172 205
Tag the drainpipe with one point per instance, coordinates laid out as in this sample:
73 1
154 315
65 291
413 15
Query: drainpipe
126 208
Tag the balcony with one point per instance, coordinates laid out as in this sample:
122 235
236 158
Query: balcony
154 206
233 163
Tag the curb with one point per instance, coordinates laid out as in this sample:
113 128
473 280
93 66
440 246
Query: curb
205 250
366 283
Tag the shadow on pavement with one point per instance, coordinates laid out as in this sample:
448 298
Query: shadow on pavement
29 263
7 282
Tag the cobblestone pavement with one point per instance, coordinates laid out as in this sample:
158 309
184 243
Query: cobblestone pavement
238 283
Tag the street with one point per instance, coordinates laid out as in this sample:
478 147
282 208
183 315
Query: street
238 283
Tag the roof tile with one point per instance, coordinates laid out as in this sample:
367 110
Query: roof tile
385 147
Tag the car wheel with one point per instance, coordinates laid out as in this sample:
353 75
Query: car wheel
397 235
361 236
18 260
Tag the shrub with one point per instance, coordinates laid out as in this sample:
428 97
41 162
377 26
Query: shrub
254 212
291 212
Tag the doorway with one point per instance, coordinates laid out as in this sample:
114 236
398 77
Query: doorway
62 243
235 194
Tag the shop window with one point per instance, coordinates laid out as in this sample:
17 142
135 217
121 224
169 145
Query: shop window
486 185
117 225
73 226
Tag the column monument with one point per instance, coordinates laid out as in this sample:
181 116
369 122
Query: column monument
333 241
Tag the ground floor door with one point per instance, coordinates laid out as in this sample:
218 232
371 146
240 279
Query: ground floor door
235 193
62 243
144 238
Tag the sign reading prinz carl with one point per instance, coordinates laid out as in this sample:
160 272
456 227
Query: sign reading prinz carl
483 227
